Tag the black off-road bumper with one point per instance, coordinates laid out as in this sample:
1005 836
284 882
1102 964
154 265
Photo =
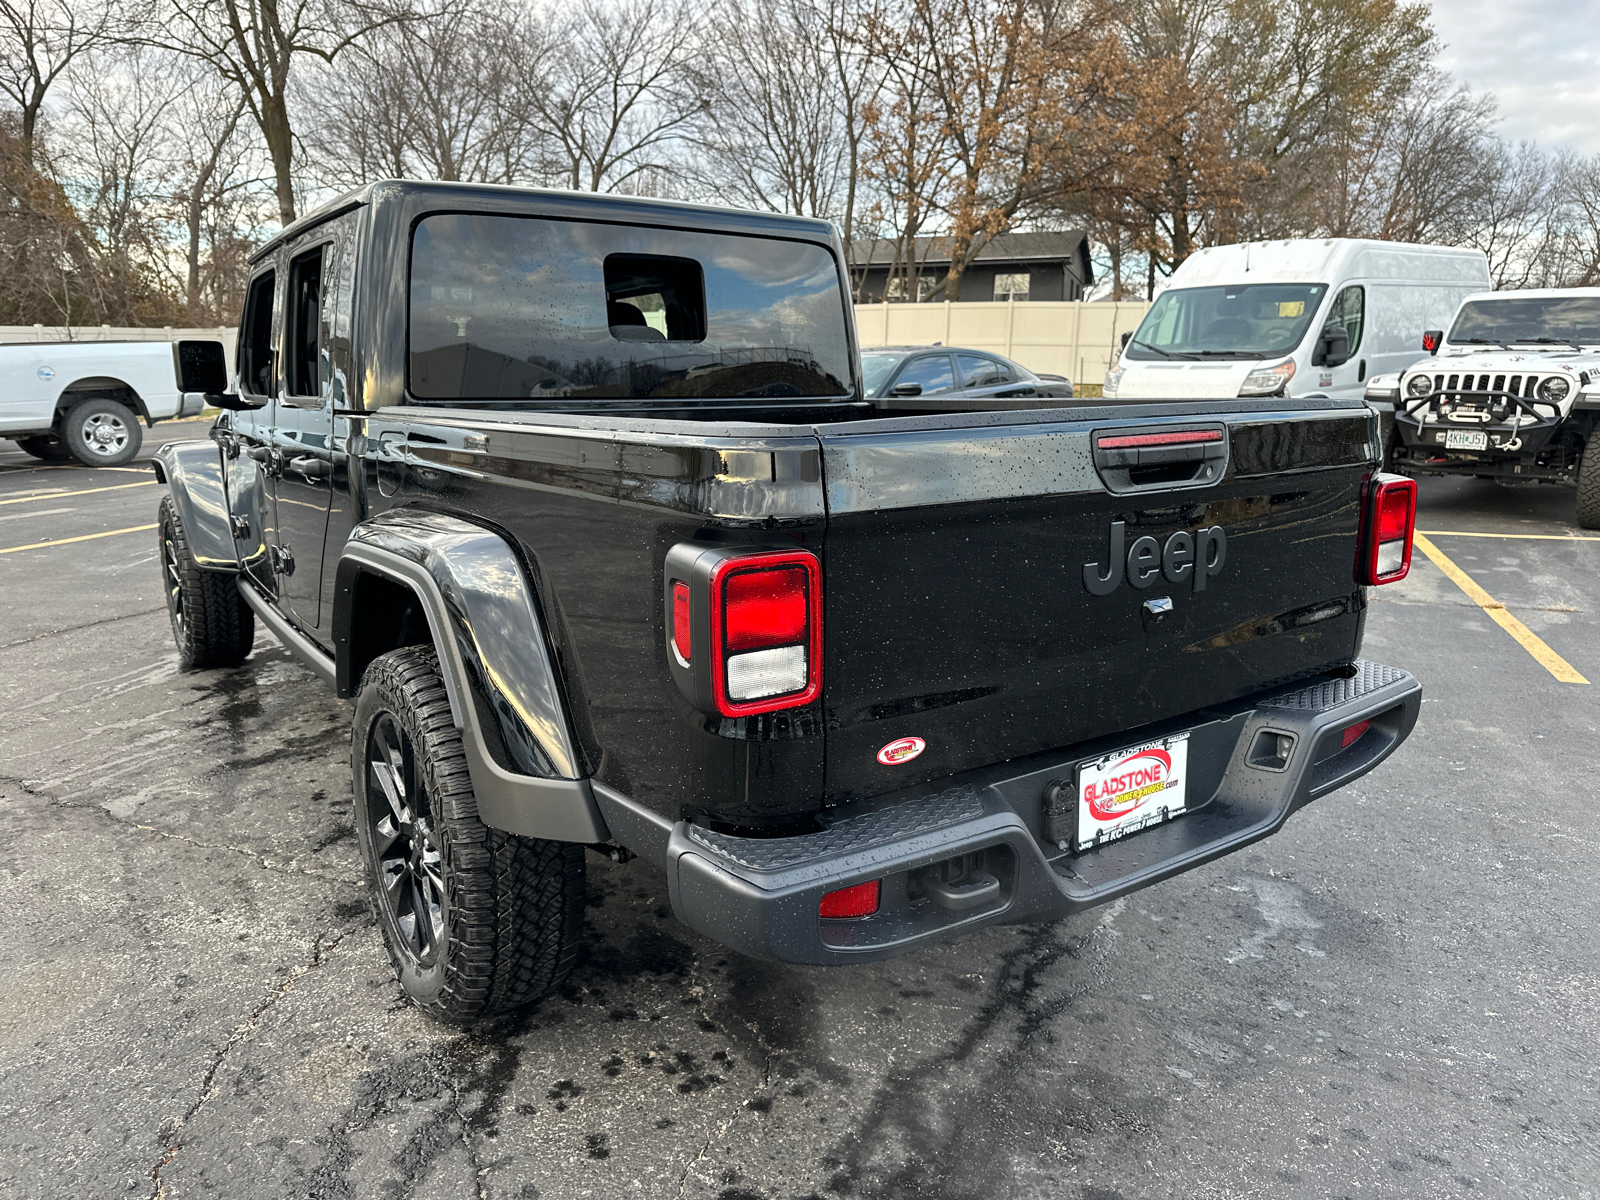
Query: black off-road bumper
1425 451
981 849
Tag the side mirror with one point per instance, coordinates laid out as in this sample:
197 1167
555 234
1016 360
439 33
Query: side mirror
1333 347
1127 337
1432 340
200 366
906 389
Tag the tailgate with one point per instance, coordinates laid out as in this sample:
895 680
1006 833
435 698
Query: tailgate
969 602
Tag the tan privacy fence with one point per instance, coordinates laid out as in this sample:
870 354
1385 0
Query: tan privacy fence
1074 338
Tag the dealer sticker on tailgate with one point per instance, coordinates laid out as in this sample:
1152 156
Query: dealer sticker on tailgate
1127 790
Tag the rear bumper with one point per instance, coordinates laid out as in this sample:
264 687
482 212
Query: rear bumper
760 895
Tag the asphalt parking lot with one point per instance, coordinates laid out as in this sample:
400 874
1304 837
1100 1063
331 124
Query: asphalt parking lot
1395 997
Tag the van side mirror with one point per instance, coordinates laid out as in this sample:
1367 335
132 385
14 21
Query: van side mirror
1333 347
1127 337
1432 340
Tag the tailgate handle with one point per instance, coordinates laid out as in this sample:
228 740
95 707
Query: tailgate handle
1134 460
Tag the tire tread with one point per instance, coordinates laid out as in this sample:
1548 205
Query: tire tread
219 628
1589 483
515 912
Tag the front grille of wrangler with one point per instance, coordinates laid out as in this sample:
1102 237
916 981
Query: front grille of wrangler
1478 398
1515 385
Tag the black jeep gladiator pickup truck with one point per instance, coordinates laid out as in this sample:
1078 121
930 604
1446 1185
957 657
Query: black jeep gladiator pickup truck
580 500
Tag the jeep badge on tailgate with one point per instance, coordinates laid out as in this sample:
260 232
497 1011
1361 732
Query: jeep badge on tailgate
1200 554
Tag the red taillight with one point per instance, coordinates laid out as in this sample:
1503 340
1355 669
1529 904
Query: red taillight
764 608
858 901
766 632
1388 522
682 642
1353 734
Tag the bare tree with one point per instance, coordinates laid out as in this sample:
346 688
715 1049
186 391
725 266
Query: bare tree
447 97
41 40
771 137
254 44
622 91
216 188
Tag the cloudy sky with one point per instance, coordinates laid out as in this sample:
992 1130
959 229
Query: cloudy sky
1540 58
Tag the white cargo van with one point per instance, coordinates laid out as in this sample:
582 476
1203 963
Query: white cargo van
1306 317
84 400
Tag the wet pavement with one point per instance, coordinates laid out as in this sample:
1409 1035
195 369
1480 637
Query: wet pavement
1396 996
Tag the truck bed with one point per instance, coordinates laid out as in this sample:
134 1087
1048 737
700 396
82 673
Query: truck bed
953 547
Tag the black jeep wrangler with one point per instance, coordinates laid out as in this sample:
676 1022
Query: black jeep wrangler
581 502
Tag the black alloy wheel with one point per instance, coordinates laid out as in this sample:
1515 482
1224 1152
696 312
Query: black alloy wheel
172 578
411 892
477 921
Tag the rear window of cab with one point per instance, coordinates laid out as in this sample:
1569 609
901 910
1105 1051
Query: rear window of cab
527 309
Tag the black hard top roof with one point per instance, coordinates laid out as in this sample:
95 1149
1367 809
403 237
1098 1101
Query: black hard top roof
594 206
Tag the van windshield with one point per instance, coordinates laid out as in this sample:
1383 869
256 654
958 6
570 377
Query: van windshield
543 312
1529 321
1230 321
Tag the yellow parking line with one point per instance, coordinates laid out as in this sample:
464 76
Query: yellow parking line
1530 641
116 487
1536 537
89 537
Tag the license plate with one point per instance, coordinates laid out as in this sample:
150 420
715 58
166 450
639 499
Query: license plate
1129 790
1466 439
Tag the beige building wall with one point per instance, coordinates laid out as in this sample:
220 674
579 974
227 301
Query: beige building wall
1074 338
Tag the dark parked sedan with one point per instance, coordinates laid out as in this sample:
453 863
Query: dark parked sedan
949 373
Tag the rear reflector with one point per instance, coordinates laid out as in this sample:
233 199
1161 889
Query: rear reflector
1388 523
1353 734
858 901
1134 441
682 644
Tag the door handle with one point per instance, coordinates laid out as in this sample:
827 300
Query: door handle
310 466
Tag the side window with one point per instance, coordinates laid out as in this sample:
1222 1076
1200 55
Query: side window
303 370
1012 287
255 337
932 371
1350 310
979 372
338 308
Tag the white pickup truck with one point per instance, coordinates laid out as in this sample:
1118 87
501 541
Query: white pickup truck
84 400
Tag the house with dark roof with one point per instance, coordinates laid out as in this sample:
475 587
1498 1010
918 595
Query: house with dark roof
1011 266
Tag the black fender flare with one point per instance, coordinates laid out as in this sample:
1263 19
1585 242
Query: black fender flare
192 471
504 696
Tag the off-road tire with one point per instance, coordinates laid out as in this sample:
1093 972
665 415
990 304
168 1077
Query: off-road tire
505 913
47 448
1589 483
211 623
97 412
